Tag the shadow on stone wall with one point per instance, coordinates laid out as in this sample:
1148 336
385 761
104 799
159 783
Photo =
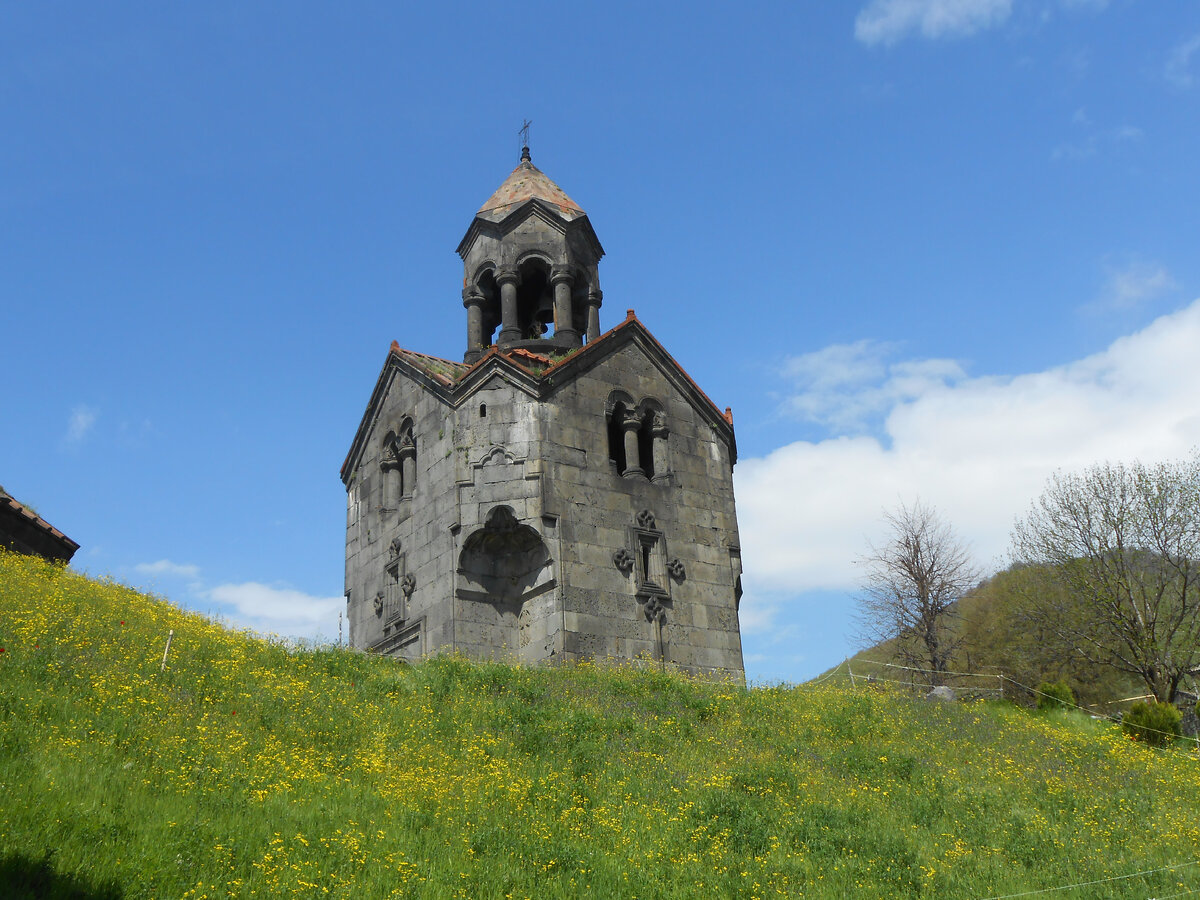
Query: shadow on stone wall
28 878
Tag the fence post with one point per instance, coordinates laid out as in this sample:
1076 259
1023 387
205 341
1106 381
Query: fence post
166 650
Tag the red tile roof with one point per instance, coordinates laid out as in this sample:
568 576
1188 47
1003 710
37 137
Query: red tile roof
528 182
14 507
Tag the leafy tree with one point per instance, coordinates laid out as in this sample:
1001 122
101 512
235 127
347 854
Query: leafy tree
910 586
1120 549
1001 631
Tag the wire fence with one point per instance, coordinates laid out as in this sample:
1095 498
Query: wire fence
966 685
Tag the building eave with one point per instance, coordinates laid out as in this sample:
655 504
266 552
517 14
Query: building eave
547 212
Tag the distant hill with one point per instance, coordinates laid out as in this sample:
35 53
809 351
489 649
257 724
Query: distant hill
249 768
996 638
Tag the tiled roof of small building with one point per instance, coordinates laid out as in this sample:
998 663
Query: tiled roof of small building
10 506
528 182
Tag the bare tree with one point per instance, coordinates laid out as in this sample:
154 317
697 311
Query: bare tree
1124 544
910 587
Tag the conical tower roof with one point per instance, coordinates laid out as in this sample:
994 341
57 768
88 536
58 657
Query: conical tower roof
528 182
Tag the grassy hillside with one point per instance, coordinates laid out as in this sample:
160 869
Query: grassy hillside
246 769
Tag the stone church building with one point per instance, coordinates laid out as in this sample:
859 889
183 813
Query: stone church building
562 493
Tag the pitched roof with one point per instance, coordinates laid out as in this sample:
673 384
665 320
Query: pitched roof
539 372
23 530
528 182
444 371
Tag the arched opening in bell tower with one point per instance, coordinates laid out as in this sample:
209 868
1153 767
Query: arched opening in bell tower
535 300
490 310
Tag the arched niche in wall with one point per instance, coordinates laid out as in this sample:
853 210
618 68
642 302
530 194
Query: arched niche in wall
504 562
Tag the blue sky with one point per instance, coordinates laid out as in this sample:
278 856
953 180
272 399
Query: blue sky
923 248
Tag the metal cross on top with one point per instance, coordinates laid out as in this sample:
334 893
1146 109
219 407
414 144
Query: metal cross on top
524 132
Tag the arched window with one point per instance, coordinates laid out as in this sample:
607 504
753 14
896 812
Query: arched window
398 461
389 464
616 412
646 445
637 438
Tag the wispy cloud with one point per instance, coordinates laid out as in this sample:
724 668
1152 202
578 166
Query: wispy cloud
1134 285
1090 139
977 448
168 568
277 609
81 422
847 387
1178 67
888 21
274 609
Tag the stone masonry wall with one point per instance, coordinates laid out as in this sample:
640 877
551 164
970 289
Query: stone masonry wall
548 463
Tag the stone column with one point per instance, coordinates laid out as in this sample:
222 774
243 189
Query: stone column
473 300
633 460
595 296
408 467
510 329
564 315
659 432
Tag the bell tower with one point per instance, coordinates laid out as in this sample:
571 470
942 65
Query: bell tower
530 268
560 494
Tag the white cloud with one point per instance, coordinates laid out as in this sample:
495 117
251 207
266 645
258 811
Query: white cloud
1135 284
846 386
888 21
168 568
1093 139
277 610
757 618
81 422
979 449
1177 69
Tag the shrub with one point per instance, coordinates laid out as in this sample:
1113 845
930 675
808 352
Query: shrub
1156 724
1055 695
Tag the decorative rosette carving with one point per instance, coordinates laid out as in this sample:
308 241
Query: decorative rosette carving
676 570
655 609
408 584
623 560
645 519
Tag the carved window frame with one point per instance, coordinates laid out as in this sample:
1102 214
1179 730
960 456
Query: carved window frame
653 431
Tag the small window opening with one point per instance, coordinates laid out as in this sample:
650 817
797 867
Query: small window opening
646 549
616 438
482 410
646 446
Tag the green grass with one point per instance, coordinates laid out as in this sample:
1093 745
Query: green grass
250 769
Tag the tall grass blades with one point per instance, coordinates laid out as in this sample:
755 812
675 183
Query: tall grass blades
254 769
